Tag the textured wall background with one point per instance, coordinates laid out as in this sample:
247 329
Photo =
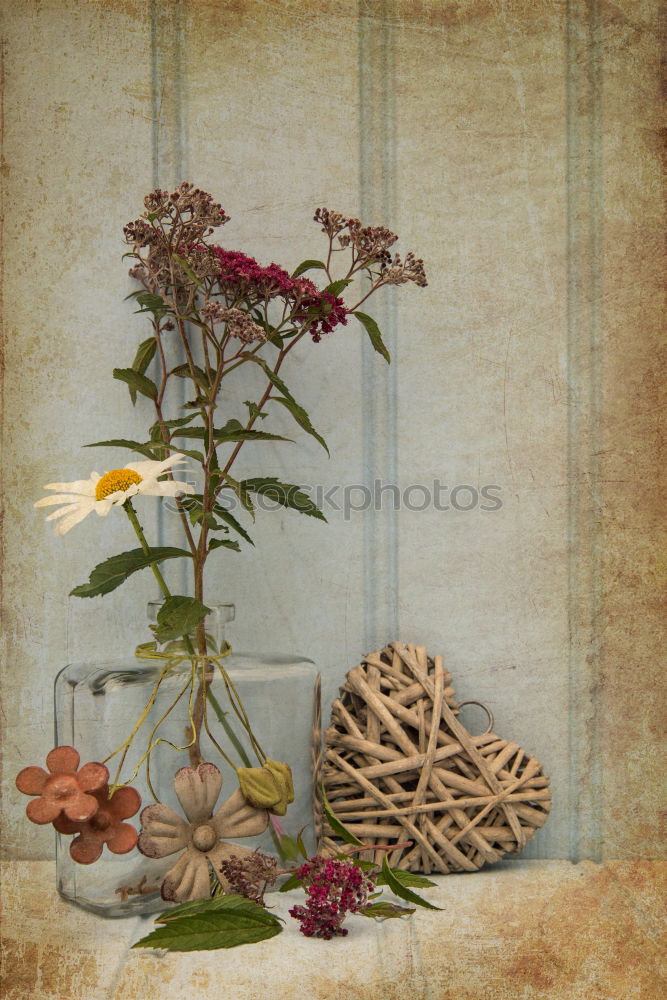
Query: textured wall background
515 146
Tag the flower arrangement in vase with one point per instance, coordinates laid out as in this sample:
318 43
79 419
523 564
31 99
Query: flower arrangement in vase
213 312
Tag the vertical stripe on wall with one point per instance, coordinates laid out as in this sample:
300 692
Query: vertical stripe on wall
584 321
377 183
169 160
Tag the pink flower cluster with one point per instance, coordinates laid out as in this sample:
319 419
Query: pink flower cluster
333 889
243 273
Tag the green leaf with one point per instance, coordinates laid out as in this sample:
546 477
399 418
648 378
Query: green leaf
308 265
373 331
337 827
150 302
287 848
301 417
336 287
302 847
112 572
145 354
226 543
143 449
287 399
188 270
285 494
221 922
229 519
383 910
253 410
402 891
408 878
136 381
178 616
221 437
290 883
184 371
241 492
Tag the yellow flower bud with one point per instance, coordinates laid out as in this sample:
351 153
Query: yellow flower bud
259 787
282 775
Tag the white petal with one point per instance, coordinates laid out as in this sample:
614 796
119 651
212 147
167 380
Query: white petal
102 507
169 488
77 514
83 487
60 498
61 512
151 469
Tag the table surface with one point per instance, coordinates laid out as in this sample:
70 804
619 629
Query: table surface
523 930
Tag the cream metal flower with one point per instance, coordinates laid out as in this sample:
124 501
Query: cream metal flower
164 832
101 493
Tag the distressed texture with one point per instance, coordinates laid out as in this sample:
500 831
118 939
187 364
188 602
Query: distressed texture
535 930
516 146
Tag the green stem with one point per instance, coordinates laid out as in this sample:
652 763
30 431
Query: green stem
134 521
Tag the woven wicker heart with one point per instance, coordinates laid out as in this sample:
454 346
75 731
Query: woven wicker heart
391 775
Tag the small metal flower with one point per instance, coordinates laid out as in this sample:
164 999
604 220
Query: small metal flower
106 826
65 791
164 832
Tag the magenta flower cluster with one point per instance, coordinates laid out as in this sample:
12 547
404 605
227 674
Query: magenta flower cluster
333 889
252 280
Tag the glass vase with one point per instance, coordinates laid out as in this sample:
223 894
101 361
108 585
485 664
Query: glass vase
98 708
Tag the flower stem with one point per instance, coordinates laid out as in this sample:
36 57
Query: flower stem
138 530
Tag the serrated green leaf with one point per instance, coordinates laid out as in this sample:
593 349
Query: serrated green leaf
338 828
301 417
241 492
178 616
374 335
229 519
226 543
137 381
385 910
336 287
143 449
221 922
114 571
285 494
408 878
287 399
401 890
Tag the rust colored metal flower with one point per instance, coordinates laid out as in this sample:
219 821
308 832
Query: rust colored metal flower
106 826
63 790
164 832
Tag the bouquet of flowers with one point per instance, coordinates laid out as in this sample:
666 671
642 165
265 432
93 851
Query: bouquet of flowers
216 311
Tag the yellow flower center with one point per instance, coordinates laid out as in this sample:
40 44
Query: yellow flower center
117 479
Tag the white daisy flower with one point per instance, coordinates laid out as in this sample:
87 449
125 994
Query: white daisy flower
101 493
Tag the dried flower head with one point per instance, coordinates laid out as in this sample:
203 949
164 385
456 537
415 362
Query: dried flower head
250 876
239 324
332 223
334 889
398 272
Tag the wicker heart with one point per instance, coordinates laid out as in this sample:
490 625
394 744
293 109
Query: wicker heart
390 775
